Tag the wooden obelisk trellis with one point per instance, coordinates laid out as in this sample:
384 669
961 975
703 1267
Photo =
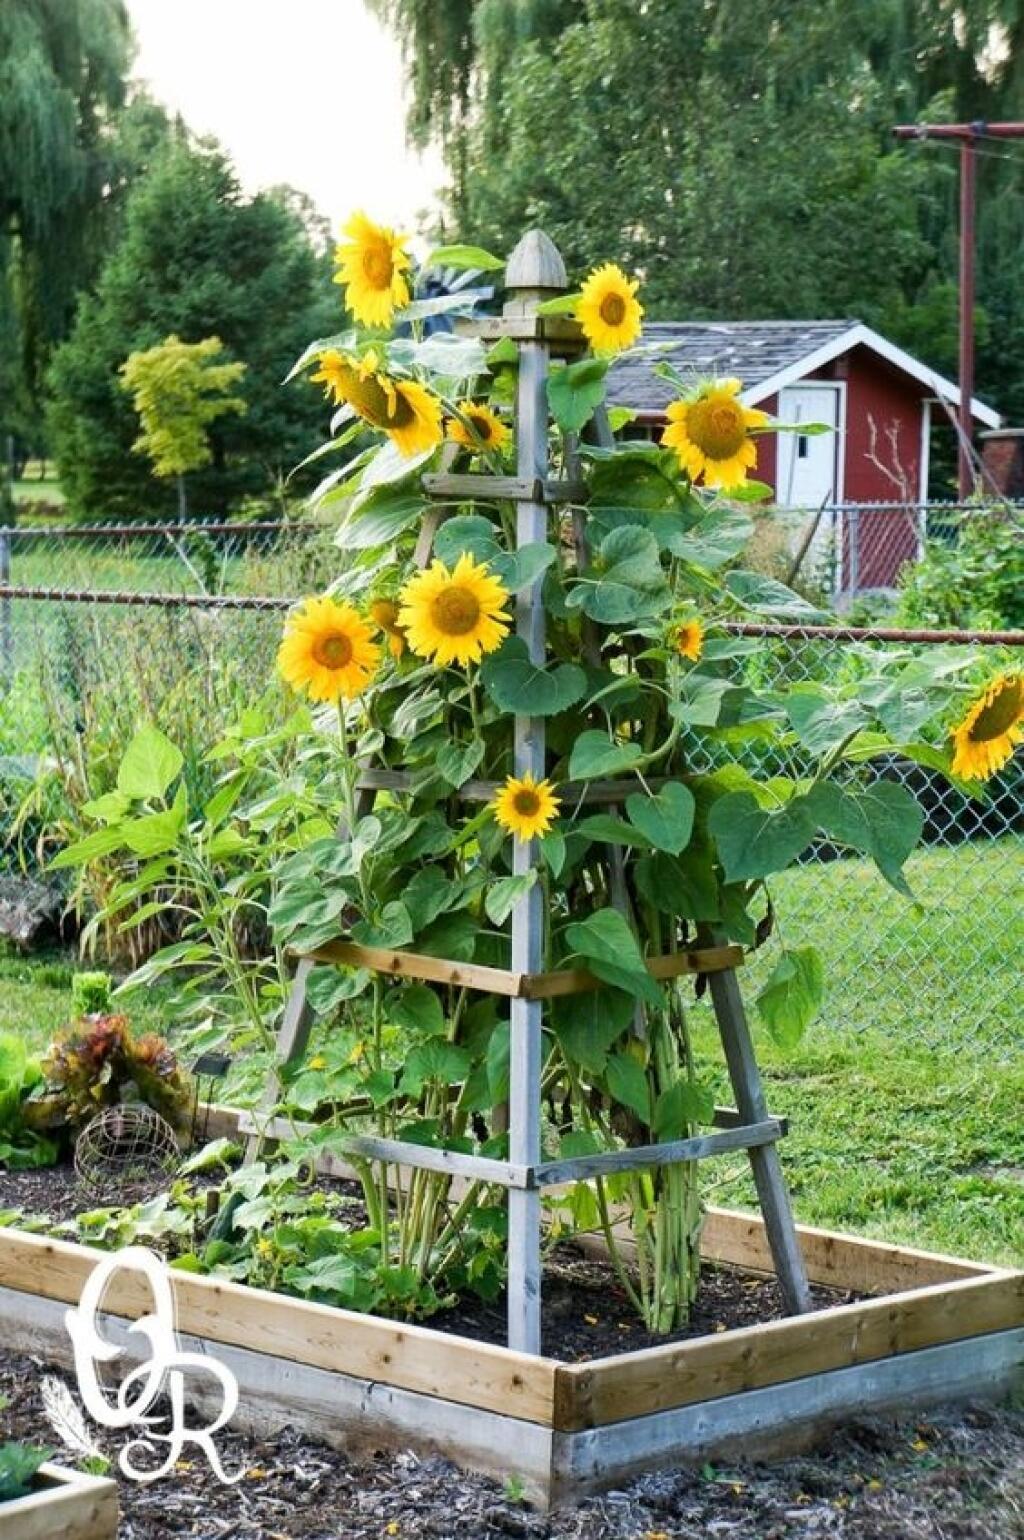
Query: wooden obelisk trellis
535 272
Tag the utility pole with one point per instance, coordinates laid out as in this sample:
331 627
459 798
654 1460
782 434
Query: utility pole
967 136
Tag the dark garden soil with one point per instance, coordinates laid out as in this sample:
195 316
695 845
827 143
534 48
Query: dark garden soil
586 1314
956 1475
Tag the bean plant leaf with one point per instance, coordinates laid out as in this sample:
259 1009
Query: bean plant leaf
665 818
883 820
586 1025
394 928
683 1104
516 684
610 950
503 895
436 1059
752 841
793 995
150 763
576 391
417 1008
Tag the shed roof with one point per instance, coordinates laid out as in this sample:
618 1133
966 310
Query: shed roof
764 355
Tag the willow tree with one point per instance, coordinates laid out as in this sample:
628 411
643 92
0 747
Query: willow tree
63 68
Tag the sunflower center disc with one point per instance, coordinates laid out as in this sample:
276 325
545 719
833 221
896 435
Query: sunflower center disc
613 310
481 427
1001 714
333 651
716 427
526 803
402 412
455 611
377 266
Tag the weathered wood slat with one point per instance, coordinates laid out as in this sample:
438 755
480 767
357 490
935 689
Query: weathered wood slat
505 981
536 489
560 331
552 1173
412 1357
70 1504
572 792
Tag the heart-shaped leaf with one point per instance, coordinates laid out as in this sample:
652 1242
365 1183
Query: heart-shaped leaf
666 818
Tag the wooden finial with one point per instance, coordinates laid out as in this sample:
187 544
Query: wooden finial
534 271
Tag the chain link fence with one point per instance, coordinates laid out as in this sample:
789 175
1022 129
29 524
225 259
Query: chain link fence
101 626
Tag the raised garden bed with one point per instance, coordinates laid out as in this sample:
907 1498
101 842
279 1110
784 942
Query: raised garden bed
935 1328
67 1505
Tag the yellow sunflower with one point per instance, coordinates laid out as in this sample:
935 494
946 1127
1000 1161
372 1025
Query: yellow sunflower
384 613
526 807
372 261
688 638
609 310
326 650
403 409
453 617
710 434
985 739
488 430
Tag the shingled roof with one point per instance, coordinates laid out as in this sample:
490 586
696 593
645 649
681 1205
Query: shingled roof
764 355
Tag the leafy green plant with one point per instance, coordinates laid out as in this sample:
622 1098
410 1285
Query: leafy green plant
973 577
20 1144
19 1466
90 993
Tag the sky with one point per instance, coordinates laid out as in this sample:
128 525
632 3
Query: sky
307 92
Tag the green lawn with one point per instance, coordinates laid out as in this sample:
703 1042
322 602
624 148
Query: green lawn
31 489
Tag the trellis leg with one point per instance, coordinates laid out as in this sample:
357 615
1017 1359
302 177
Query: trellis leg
534 269
764 1160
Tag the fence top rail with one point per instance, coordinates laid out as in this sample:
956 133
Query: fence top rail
766 629
190 527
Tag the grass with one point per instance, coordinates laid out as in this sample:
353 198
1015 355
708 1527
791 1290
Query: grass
31 489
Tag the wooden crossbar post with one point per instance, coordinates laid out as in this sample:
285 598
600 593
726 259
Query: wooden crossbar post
764 1158
535 270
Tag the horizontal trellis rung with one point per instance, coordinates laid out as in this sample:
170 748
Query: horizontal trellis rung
552 1173
571 792
561 330
515 986
517 489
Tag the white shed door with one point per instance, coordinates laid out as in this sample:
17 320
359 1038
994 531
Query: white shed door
807 462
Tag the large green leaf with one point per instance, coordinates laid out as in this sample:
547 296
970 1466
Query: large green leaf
382 516
819 722
680 1106
393 929
793 995
627 1083
612 831
503 895
576 391
765 596
719 536
463 257
611 952
753 841
627 583
417 1008
150 763
587 1025
665 818
436 1059
884 820
516 684
595 754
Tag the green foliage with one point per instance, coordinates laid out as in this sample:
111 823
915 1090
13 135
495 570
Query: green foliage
90 993
196 260
20 1144
19 1464
100 1062
179 390
971 578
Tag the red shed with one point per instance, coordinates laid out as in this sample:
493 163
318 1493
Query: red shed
880 400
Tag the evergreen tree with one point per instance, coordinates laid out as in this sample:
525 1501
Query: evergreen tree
197 259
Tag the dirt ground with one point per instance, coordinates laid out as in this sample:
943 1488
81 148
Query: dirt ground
956 1474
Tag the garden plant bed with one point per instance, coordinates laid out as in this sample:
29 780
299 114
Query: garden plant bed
63 1503
936 1329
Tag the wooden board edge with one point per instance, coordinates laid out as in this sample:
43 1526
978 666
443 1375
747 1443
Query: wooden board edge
610 1390
834 1257
781 1420
410 1357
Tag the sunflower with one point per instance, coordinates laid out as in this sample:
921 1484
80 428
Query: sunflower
371 263
609 310
326 650
687 637
485 431
710 434
453 617
403 409
985 739
525 807
384 613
